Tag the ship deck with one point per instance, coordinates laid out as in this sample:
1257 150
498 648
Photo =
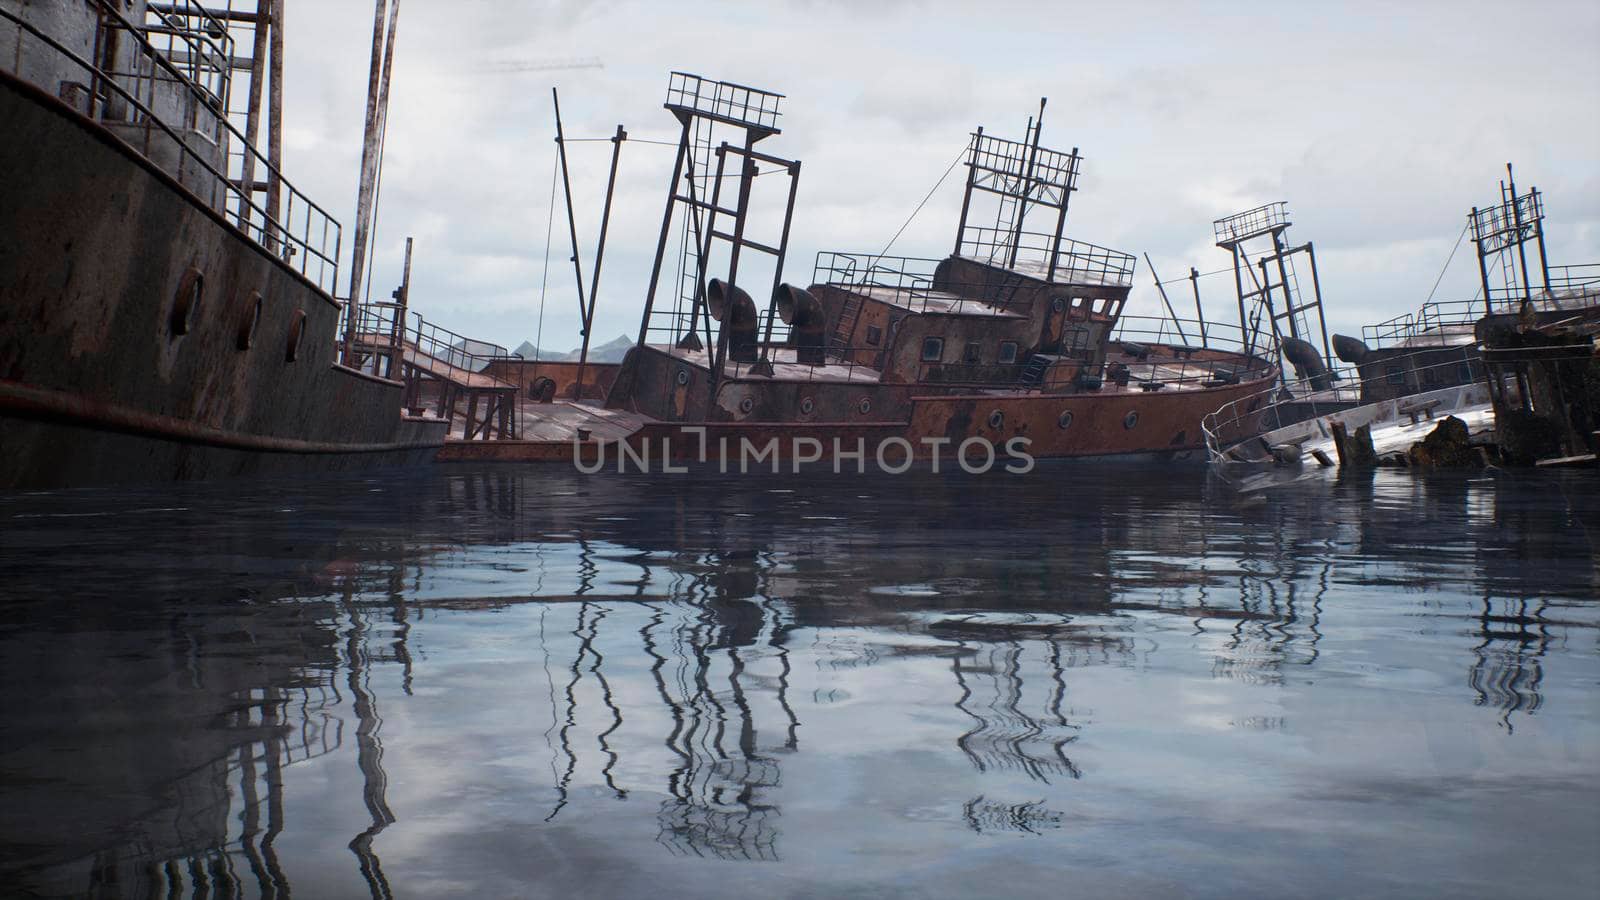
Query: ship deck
932 301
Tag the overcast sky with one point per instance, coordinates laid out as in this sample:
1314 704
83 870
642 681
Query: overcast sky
1380 124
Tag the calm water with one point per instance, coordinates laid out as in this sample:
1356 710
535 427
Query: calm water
1095 681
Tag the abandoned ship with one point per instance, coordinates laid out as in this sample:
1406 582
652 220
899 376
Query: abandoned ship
1017 335
1517 367
167 304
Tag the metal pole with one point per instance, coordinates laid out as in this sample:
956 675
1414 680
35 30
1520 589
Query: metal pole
666 228
1245 336
252 121
1283 277
1061 217
746 176
572 222
1027 186
1538 235
1483 265
1522 245
1316 288
691 341
275 119
1200 314
1164 301
369 165
966 199
765 366
398 330
599 254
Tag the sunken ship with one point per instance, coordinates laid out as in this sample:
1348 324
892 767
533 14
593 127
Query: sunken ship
1018 334
167 305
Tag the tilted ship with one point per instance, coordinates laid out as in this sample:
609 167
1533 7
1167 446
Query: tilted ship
1017 334
166 296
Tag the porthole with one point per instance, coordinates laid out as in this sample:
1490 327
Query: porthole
186 302
1058 305
807 405
1064 421
297 336
865 405
683 377
1131 419
747 404
249 320
997 420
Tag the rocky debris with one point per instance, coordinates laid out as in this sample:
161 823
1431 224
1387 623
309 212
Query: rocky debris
1448 445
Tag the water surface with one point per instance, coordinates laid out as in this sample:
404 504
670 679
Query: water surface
1094 680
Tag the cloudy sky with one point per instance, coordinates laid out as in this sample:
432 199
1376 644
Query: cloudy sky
1380 124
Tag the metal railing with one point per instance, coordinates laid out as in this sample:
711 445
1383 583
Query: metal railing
1568 287
1241 227
910 282
735 103
196 41
1010 161
1300 401
1584 278
1076 262
1426 326
913 285
302 234
376 327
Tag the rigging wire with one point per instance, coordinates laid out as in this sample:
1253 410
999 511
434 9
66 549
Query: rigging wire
1447 261
544 277
952 168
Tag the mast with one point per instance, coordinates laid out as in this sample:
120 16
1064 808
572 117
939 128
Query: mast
252 121
275 116
572 229
376 94
1027 186
599 254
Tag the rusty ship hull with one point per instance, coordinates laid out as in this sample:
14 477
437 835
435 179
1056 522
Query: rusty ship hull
101 382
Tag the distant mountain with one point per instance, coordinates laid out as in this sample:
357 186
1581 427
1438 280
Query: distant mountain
610 352
528 351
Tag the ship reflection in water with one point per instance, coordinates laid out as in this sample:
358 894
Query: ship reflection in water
501 682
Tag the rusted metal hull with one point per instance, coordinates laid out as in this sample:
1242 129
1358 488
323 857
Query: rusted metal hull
115 368
1148 425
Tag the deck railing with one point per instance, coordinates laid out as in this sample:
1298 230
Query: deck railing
1300 401
1076 262
302 233
911 283
735 103
1425 326
377 327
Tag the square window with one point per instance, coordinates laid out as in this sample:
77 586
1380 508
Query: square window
932 349
1008 352
1397 374
874 335
974 353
